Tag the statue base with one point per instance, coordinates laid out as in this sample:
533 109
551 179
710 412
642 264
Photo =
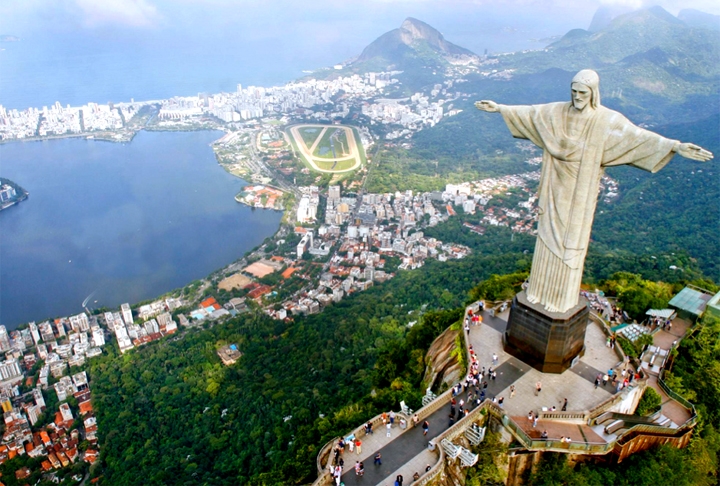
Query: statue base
547 341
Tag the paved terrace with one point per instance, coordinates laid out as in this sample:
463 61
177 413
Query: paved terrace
406 451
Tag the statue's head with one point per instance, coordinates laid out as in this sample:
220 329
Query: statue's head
585 89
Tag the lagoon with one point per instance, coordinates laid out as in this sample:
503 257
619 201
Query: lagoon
123 222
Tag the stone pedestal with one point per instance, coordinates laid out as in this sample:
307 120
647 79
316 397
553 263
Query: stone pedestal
547 341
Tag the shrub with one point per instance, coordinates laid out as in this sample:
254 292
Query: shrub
649 403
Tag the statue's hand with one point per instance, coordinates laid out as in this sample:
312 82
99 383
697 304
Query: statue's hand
487 105
694 152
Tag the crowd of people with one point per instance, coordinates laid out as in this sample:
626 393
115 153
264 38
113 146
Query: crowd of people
617 380
607 309
350 443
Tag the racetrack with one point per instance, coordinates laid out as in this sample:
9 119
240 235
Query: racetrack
344 163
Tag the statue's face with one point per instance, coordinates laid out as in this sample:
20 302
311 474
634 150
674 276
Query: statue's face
581 96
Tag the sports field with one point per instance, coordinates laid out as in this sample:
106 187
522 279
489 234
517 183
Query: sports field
328 148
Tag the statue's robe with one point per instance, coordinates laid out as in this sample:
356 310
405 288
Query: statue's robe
569 184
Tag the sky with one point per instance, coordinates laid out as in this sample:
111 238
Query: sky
70 50
327 20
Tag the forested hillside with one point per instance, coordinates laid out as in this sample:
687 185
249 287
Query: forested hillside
175 413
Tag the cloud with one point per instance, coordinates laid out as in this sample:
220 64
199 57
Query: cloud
133 13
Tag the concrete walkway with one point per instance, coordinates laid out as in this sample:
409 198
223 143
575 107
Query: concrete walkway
576 384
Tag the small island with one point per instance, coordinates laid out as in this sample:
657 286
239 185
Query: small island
10 193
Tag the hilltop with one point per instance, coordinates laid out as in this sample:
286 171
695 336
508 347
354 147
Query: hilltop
413 38
417 49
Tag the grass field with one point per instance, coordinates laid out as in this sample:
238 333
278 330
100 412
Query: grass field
309 135
324 148
333 166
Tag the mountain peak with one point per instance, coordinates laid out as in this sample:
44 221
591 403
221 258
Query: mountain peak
418 29
405 39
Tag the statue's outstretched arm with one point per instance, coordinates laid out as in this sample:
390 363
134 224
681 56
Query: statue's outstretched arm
487 105
692 151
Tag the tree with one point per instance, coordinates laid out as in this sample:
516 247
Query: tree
649 402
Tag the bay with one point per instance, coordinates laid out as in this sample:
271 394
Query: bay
124 222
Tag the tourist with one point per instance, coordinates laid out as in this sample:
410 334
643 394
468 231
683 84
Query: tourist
597 381
358 446
530 416
415 420
378 459
387 427
392 418
452 420
428 467
564 407
362 469
535 421
384 418
538 388
425 427
500 402
495 358
544 435
512 391
368 428
494 375
416 476
399 480
351 445
357 468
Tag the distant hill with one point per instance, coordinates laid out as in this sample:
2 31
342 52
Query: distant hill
416 48
410 39
696 18
643 57
605 14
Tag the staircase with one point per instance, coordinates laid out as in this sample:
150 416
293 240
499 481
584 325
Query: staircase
475 434
428 398
467 458
451 450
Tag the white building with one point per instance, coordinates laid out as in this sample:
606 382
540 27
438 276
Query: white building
126 314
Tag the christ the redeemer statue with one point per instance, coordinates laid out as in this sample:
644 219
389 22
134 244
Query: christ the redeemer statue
579 139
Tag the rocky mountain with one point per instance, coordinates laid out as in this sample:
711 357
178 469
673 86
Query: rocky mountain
412 37
415 48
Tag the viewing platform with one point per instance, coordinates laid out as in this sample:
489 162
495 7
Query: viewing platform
597 420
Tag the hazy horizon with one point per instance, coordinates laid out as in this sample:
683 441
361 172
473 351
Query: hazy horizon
80 51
